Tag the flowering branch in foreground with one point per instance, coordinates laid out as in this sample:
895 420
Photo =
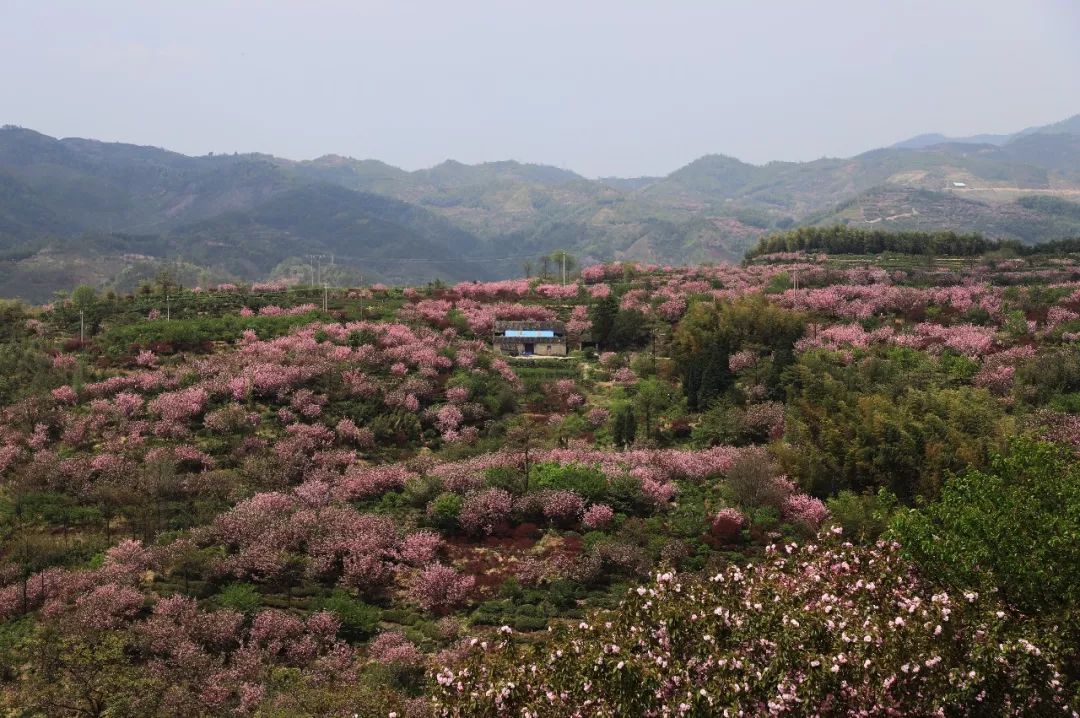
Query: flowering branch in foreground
822 630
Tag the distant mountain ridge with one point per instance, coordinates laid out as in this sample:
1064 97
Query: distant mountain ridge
110 214
1067 126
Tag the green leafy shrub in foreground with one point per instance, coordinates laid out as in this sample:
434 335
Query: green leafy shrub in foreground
1013 529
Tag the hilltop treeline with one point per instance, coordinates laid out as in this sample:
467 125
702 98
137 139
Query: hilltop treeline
839 239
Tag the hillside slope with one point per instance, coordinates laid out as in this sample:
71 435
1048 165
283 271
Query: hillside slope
78 210
1029 220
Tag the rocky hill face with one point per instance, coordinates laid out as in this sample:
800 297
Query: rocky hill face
77 210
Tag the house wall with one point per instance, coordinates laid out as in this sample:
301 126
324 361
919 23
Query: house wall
544 349
550 350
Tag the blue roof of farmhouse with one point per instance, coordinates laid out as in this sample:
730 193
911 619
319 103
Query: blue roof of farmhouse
530 333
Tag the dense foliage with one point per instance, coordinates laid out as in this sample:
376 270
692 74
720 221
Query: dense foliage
822 629
1012 529
288 500
839 239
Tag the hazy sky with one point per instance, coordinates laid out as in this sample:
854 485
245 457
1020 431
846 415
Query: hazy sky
604 87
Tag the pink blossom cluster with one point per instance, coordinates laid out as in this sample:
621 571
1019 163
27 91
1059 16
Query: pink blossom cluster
727 523
838 336
672 309
440 588
482 512
64 362
266 287
597 516
997 378
360 482
65 395
1060 315
391 647
364 550
180 406
488 291
615 270
636 300
272 310
742 360
599 291
563 507
966 339
598 416
557 291
579 324
806 511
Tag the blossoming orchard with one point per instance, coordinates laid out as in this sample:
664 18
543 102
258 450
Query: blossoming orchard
854 495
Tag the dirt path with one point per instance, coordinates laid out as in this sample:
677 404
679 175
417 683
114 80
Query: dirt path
912 213
1071 192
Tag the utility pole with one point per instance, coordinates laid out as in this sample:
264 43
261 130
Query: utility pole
168 308
81 325
316 269
564 266
325 295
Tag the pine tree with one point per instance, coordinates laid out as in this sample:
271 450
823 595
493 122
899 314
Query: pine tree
603 315
624 425
692 384
715 375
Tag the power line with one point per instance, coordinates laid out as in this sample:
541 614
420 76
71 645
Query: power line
432 260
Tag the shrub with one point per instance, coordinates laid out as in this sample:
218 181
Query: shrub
398 660
754 480
806 512
836 629
482 512
864 516
443 511
529 623
358 619
589 482
391 647
726 524
240 597
420 548
440 588
1013 529
721 425
503 477
597 516
419 491
562 507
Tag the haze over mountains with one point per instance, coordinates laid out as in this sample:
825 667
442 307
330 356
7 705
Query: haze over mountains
108 214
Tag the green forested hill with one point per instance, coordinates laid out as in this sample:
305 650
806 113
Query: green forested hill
253 215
